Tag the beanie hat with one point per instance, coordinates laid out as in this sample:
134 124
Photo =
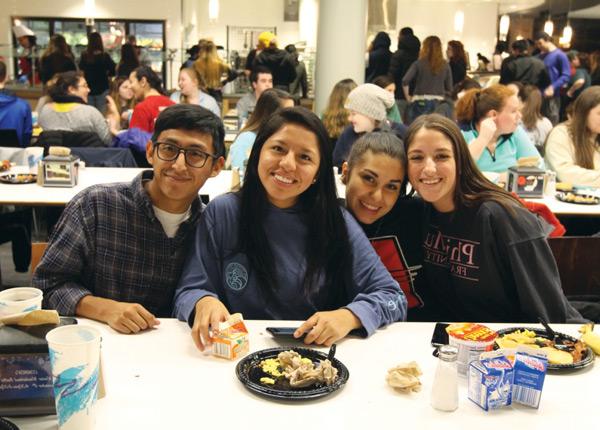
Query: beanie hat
265 38
370 100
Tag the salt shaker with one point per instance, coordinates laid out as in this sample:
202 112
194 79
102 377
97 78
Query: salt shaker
550 188
444 394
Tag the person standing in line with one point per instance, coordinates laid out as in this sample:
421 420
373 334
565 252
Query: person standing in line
129 60
97 66
379 56
57 58
407 53
432 80
559 69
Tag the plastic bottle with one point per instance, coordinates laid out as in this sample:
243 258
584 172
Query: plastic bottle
444 394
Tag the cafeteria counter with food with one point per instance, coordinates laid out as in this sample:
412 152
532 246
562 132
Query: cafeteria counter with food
158 380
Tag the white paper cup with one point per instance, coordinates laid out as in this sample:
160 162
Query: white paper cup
18 300
75 360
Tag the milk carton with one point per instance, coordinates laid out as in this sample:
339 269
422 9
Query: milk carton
490 381
231 341
530 371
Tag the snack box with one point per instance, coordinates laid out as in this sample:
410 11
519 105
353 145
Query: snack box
231 341
490 382
529 374
526 181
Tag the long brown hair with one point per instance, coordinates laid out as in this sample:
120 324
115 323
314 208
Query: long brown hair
335 116
578 129
431 51
58 43
458 51
476 103
532 105
472 188
114 93
209 65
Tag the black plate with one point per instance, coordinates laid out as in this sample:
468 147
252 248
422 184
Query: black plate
249 372
15 178
562 196
586 360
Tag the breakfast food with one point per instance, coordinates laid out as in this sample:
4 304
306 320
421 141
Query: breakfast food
299 371
405 377
4 165
569 352
528 161
564 186
571 197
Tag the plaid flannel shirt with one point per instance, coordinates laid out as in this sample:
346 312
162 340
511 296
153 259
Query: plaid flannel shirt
109 243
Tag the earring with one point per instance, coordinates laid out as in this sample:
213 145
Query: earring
314 181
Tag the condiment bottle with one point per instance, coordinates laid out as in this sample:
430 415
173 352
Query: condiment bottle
444 394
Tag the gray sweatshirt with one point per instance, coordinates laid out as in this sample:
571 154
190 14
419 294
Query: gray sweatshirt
74 117
426 83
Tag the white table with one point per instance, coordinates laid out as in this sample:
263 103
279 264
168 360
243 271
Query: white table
158 380
35 195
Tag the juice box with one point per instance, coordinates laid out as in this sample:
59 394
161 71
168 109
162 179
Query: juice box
530 371
490 382
231 341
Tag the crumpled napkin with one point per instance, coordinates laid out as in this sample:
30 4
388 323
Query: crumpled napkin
32 318
404 377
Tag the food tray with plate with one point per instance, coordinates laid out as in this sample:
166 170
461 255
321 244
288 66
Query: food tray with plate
587 357
249 372
577 197
18 178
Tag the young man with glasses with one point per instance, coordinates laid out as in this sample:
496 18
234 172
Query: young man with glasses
118 250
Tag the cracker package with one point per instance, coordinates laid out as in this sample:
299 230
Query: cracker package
231 341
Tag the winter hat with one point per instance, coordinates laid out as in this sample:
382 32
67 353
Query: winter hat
370 100
266 37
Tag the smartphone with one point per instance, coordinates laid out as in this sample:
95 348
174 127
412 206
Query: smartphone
440 336
287 332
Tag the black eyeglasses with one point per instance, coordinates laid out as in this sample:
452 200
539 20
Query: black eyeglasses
193 157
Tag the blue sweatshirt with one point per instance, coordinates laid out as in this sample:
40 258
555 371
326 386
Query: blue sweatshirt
558 67
215 269
15 114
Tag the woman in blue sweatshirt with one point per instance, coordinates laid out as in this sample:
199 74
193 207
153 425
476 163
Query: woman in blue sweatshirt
283 248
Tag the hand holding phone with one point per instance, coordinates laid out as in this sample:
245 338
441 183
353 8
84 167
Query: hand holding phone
284 332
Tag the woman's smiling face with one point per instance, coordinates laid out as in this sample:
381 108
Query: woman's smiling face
288 164
432 168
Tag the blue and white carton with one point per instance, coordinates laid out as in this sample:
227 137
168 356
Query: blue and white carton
530 371
490 381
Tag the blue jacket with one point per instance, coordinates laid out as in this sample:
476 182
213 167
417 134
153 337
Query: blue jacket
215 268
15 114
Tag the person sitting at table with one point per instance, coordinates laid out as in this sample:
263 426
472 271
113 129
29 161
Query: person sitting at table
375 179
15 113
485 256
489 119
573 147
261 80
118 250
190 84
69 110
368 105
148 91
119 104
283 248
273 100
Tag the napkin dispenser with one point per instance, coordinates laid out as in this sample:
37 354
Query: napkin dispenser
25 375
60 171
526 181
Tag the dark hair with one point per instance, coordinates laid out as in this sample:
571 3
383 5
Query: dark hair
501 47
328 251
269 101
383 81
406 31
95 44
521 46
192 118
63 82
2 71
543 35
58 43
458 53
193 51
258 70
472 188
129 56
151 77
532 105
